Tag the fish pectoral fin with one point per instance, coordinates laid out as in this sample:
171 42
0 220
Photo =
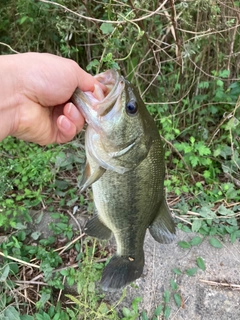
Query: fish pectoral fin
95 228
162 228
88 179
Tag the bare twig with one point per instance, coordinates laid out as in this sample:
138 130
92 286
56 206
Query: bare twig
20 261
221 284
101 20
7 45
70 243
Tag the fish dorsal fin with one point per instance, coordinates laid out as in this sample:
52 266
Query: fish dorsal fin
95 228
162 228
88 178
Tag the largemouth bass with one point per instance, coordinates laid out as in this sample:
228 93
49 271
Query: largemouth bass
125 166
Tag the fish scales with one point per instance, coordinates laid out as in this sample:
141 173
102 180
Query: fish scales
125 166
122 205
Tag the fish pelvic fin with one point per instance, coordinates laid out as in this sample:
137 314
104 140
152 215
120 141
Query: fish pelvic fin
88 179
121 271
162 228
95 228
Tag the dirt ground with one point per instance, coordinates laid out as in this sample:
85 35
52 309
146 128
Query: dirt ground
212 294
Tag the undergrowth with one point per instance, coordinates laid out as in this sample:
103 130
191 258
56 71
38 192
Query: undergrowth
183 57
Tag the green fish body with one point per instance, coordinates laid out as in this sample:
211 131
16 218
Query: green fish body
125 166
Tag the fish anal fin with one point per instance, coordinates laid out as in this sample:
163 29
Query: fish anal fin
95 228
162 228
121 271
88 179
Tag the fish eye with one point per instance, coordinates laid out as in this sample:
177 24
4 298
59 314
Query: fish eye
131 107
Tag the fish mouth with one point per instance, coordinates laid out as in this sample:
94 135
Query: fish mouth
99 102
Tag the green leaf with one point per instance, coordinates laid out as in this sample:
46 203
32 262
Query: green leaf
12 313
166 296
4 273
126 312
203 84
196 225
35 235
106 28
191 272
184 244
194 160
215 243
232 123
167 312
158 310
177 271
13 268
201 263
225 212
224 73
103 308
196 241
186 229
207 213
192 140
219 83
177 299
144 315
173 284
26 317
235 235
23 19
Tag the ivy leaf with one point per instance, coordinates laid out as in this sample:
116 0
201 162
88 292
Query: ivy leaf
106 28
215 243
201 263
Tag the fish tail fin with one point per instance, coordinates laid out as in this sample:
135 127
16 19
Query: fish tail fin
120 271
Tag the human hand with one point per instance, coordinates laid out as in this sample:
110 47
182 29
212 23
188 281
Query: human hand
34 92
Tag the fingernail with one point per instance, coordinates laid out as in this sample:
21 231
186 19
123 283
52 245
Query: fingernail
64 123
73 112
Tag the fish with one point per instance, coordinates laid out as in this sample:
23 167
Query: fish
125 167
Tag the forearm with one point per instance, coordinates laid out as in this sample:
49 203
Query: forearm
9 96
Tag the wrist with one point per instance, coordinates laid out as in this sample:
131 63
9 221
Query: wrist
9 96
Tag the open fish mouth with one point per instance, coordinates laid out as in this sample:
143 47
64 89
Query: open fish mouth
100 102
